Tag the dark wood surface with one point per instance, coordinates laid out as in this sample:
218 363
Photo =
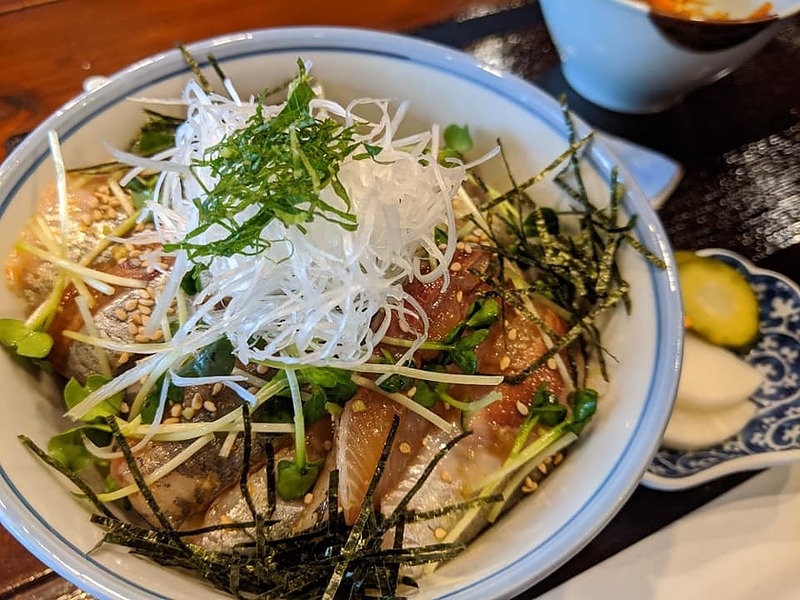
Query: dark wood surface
739 141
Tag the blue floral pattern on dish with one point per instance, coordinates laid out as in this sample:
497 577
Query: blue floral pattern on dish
776 426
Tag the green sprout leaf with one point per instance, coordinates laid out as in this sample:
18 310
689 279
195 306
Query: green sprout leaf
27 342
215 359
584 405
75 393
483 312
457 138
68 448
295 481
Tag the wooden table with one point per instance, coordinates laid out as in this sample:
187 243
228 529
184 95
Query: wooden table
727 136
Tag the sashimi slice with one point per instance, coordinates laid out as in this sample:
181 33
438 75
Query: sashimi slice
363 428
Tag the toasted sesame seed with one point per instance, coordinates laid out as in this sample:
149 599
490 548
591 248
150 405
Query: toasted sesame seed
467 249
94 202
123 358
97 215
171 421
210 406
512 334
144 294
460 246
131 304
253 389
188 413
412 392
455 266
124 408
261 368
171 310
145 310
529 486
551 364
146 302
440 533
442 246
86 219
505 362
111 213
558 458
140 338
405 448
136 318
521 408
158 334
446 477
140 329
176 410
197 401
216 389
459 296
543 468
121 314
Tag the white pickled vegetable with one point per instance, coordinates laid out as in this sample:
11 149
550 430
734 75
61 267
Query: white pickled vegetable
713 378
696 429
713 397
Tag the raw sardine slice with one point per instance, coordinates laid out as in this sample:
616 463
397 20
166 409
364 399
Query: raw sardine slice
361 435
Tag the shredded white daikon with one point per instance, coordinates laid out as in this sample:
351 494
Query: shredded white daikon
311 297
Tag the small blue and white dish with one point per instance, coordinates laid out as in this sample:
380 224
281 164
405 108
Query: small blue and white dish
772 436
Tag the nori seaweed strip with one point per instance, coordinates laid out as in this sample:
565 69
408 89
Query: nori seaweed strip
417 555
68 473
510 297
576 167
398 511
571 335
217 69
270 479
355 539
333 502
247 446
137 476
397 544
195 68
414 517
568 153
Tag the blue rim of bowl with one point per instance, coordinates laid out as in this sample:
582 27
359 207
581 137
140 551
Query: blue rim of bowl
654 412
733 464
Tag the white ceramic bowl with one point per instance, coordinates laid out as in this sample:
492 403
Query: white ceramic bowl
444 86
615 54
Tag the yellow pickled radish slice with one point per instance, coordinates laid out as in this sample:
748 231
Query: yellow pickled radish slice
719 303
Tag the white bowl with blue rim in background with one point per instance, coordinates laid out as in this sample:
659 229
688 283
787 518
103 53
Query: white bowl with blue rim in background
627 57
